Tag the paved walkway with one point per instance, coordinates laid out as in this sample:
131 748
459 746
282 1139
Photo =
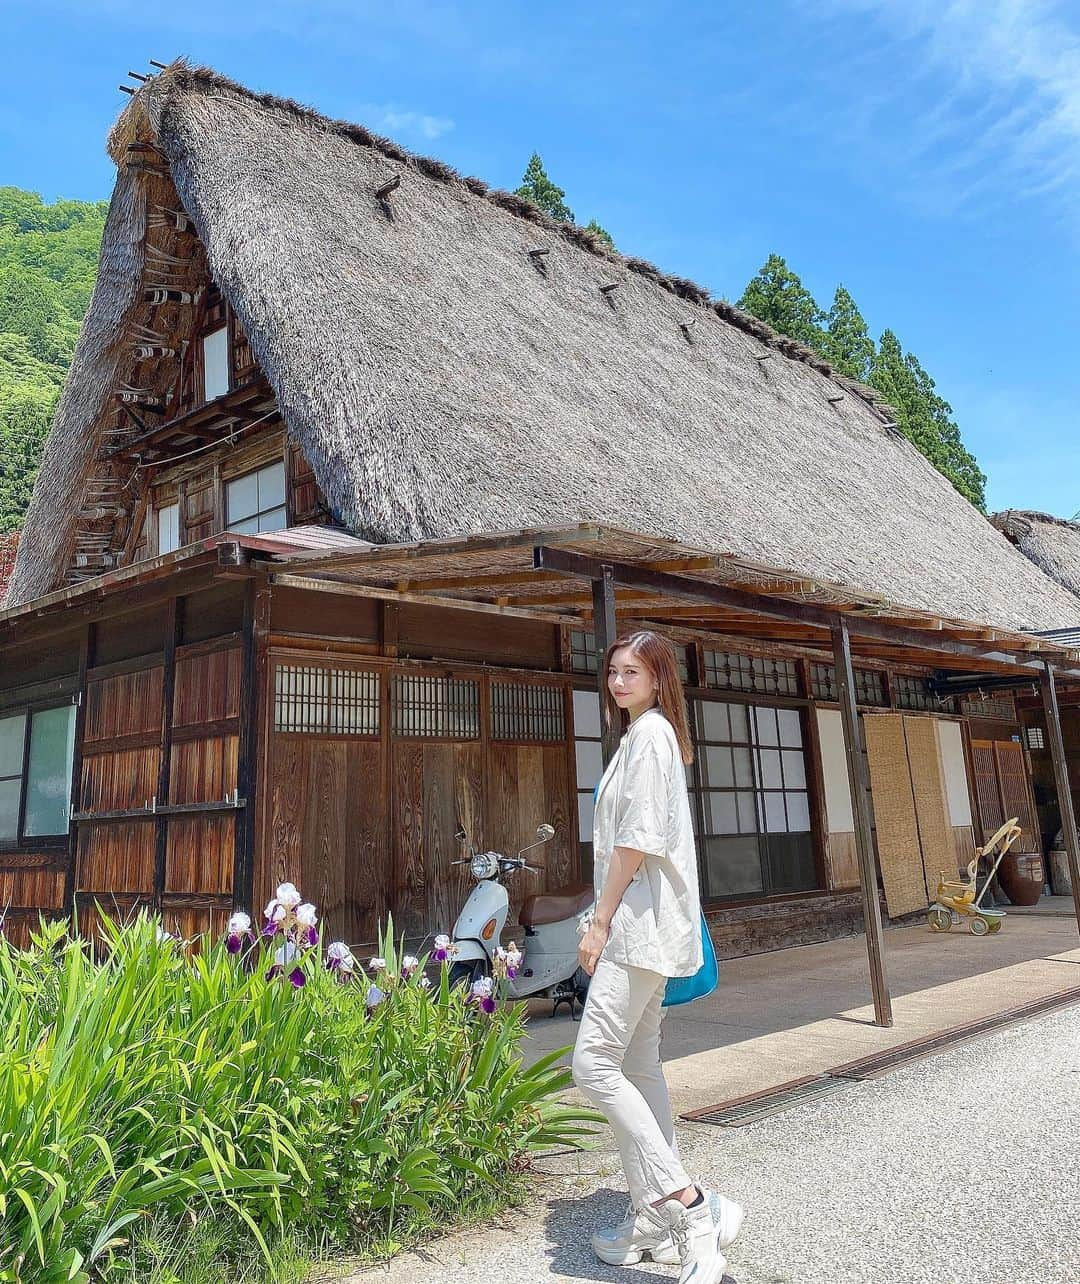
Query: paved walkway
960 1169
963 1168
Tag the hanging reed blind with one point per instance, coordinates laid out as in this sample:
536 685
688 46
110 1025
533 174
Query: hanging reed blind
443 708
528 712
322 701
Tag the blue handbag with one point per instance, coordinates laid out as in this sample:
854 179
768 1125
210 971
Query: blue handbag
684 989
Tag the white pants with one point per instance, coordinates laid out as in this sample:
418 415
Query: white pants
617 1066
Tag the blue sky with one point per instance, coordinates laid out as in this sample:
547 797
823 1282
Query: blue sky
926 153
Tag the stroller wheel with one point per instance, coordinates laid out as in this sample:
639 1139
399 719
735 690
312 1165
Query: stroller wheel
939 919
995 926
979 926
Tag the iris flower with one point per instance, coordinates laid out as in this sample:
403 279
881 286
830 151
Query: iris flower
238 930
481 994
444 949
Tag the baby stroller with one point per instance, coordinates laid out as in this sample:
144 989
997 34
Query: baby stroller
954 896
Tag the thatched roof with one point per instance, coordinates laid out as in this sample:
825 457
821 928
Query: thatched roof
441 379
1052 543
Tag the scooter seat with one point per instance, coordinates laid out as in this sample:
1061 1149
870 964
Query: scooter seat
552 907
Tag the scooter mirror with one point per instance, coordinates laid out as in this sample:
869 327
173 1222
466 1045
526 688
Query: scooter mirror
544 832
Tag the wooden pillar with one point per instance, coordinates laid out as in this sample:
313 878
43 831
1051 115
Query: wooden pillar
253 671
86 661
864 844
1048 688
173 624
603 597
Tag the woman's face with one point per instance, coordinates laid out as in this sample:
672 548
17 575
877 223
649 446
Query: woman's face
631 682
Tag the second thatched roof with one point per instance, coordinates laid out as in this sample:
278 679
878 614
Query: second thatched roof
1052 543
453 361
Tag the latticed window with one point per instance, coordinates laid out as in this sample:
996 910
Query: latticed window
985 707
323 701
915 693
582 651
767 675
446 708
527 711
1035 737
869 684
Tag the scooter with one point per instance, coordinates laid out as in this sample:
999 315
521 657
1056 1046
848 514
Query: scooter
549 965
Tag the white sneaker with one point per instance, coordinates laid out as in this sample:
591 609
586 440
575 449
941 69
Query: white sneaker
695 1235
727 1216
634 1237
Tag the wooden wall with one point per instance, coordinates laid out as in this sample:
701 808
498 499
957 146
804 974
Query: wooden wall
365 823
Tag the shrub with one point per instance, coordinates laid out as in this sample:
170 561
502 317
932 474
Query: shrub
167 1084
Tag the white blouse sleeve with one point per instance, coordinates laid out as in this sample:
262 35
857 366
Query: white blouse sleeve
642 804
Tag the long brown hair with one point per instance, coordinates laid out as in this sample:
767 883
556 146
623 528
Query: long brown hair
657 655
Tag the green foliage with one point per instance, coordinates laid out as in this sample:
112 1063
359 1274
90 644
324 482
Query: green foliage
846 343
777 296
538 188
601 232
48 261
161 1100
925 418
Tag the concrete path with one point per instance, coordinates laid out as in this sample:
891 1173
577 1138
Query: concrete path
961 1169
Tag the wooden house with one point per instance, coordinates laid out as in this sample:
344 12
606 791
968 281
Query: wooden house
357 464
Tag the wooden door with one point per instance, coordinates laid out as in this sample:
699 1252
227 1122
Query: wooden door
1002 790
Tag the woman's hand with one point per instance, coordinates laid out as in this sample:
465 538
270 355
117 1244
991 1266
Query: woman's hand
592 943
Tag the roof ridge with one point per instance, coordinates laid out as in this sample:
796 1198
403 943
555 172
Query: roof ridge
188 78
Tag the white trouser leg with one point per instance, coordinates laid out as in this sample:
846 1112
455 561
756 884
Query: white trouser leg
642 1066
619 998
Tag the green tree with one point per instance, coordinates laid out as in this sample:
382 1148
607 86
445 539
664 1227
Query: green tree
538 188
601 232
847 344
48 262
777 296
925 418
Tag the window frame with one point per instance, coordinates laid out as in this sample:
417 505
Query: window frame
211 332
229 522
158 510
21 841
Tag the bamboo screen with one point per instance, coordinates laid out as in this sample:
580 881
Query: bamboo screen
931 807
899 849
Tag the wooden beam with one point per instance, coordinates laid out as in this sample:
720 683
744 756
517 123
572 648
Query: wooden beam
604 626
1061 782
86 660
864 842
254 630
548 558
325 584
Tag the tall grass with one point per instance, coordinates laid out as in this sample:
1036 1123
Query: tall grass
161 1089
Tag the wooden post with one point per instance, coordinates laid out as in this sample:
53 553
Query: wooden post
603 597
252 678
173 622
864 845
1048 688
86 661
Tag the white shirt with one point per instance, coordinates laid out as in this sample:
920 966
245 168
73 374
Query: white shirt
642 803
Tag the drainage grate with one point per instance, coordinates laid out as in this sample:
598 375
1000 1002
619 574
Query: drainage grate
747 1110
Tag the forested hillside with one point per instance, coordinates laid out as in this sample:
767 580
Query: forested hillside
48 258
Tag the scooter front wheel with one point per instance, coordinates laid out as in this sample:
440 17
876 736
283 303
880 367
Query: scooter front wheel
466 971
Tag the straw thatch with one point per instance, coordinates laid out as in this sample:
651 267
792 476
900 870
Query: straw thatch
1052 543
442 380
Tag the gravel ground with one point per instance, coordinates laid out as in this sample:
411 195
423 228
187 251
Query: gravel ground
961 1169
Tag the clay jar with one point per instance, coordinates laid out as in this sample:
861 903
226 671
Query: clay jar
1022 876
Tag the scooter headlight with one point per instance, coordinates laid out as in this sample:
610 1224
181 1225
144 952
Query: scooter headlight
484 865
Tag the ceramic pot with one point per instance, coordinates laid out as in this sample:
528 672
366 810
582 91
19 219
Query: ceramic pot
1022 876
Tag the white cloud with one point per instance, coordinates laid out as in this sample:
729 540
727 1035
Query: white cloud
400 122
1008 123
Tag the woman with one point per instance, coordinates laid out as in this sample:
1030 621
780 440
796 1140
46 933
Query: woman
645 927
